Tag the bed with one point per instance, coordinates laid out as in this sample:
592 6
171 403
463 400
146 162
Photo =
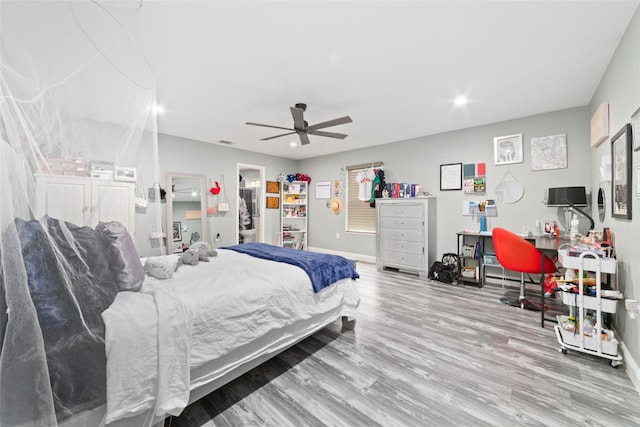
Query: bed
169 342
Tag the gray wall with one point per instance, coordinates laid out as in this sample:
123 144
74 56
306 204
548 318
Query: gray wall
620 86
418 161
211 160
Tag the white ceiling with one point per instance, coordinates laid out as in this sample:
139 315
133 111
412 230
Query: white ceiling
394 67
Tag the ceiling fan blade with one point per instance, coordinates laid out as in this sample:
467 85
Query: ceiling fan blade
328 134
334 122
267 126
298 118
304 138
278 136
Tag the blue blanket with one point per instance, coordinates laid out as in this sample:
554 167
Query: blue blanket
322 269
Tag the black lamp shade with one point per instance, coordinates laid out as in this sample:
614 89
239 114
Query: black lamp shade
561 196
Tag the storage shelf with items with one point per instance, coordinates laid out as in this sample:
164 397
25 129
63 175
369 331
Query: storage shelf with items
583 329
293 215
471 248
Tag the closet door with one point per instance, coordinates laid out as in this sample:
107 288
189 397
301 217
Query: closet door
113 201
64 198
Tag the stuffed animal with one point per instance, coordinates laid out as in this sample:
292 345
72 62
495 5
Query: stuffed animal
190 257
204 247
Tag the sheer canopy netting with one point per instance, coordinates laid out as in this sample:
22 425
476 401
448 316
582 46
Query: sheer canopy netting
75 91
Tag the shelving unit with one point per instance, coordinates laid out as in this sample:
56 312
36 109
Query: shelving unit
573 335
476 260
293 215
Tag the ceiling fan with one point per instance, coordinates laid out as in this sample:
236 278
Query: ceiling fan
302 128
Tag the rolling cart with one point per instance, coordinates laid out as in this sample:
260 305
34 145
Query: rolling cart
597 342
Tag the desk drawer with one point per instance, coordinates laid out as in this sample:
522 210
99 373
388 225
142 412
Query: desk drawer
411 211
401 222
401 246
401 234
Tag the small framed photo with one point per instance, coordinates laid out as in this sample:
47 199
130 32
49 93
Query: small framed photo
273 203
451 177
177 231
122 173
507 149
635 129
273 187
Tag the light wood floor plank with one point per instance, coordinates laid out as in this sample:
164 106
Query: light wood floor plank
426 354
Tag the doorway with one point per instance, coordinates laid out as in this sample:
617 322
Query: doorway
250 218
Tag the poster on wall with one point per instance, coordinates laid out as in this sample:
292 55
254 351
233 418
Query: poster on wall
549 152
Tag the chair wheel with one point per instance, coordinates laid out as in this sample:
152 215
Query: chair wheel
615 364
563 350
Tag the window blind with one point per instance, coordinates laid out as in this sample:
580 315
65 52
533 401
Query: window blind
361 218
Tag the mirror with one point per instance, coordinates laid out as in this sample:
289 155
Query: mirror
250 218
186 211
601 204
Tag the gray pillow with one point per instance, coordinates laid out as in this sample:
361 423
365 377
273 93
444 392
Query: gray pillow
122 255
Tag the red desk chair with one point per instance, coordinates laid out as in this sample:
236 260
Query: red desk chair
516 254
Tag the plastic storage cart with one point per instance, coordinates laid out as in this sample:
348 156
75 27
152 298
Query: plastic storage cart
597 342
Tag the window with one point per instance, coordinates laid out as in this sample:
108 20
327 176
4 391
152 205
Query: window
361 218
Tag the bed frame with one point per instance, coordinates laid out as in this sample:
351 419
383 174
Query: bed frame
348 323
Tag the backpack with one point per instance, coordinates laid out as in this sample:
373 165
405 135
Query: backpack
445 271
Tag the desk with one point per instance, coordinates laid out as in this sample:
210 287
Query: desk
547 245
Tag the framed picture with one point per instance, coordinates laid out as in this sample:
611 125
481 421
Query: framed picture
638 182
635 129
125 174
451 176
621 173
549 152
177 231
273 203
507 149
273 187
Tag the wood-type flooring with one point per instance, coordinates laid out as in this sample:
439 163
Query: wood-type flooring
425 354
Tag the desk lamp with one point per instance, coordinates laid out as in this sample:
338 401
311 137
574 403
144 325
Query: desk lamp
570 198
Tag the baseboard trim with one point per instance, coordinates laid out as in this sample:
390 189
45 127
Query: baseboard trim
348 255
631 367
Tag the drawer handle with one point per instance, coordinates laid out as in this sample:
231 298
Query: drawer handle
399 222
399 246
400 234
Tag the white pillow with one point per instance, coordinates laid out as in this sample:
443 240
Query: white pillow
161 267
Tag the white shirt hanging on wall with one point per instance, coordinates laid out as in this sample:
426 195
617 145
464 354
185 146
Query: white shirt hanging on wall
365 179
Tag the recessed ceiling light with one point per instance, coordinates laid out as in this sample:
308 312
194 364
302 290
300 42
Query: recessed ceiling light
158 109
460 100
293 144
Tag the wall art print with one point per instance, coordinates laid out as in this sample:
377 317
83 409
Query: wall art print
507 149
549 152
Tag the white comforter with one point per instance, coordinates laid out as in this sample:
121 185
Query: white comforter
206 311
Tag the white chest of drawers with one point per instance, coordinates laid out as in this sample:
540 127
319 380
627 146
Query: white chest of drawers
406 234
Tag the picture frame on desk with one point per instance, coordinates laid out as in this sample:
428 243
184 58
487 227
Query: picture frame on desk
621 173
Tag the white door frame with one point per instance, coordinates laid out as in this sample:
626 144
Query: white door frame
263 199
